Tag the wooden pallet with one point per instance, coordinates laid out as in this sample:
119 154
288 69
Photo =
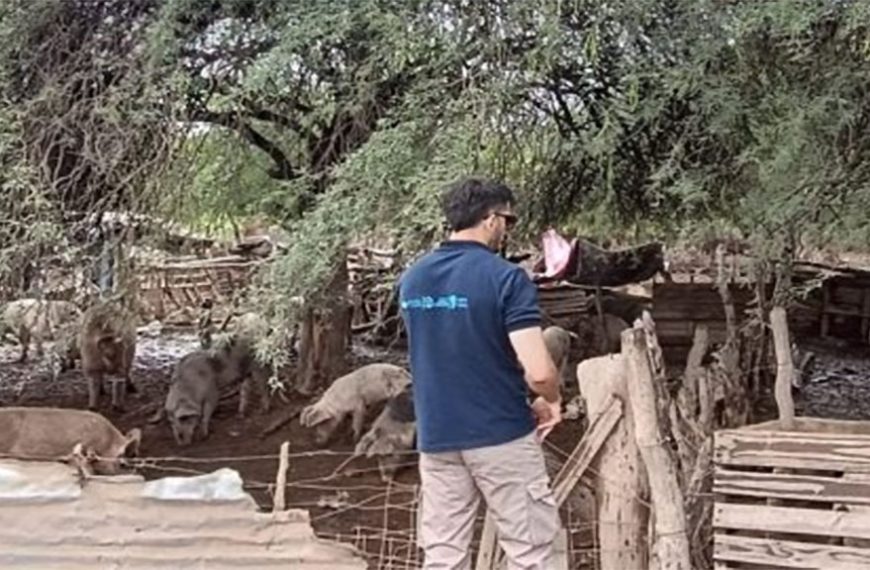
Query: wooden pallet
173 287
793 499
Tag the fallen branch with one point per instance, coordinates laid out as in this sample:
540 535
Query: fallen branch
280 422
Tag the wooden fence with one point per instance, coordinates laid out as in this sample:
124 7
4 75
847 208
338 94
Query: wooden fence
181 287
793 499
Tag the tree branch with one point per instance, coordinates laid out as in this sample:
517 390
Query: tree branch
283 169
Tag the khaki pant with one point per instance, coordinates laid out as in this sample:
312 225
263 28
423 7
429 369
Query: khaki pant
513 481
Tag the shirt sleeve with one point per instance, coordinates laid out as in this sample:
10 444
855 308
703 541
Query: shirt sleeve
519 299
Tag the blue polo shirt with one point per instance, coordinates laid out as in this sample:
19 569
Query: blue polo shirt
459 302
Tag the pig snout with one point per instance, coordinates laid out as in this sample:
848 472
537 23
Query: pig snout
183 429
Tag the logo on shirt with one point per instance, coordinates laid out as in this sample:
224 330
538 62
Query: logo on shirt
427 303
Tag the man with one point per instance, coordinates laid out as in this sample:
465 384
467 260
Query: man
476 348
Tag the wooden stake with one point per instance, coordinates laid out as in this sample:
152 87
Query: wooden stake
281 480
784 367
620 482
672 543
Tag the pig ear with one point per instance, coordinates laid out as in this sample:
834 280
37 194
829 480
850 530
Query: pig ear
311 416
108 339
131 447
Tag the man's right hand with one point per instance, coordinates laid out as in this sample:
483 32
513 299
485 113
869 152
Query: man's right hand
548 414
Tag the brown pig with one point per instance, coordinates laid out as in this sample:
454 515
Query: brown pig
558 341
352 394
64 352
237 353
107 346
53 434
392 435
37 320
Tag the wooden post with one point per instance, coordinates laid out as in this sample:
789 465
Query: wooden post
618 474
865 317
825 321
694 369
489 551
784 367
672 544
280 503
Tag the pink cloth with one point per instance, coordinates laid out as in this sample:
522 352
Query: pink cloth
557 254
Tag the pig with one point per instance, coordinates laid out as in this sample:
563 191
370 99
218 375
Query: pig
597 341
352 394
37 320
53 434
107 345
237 352
613 327
193 395
558 341
392 435
65 351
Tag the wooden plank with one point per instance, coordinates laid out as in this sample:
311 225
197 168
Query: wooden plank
865 320
789 554
788 486
488 552
819 426
559 559
580 459
825 318
847 294
844 311
766 518
793 449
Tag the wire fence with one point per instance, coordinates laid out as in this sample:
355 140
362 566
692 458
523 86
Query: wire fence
349 503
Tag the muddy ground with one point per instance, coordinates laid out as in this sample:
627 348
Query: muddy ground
354 509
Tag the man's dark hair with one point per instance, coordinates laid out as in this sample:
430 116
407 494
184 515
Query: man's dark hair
469 201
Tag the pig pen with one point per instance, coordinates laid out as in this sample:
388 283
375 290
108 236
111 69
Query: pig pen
376 517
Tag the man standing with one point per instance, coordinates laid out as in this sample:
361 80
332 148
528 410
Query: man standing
476 348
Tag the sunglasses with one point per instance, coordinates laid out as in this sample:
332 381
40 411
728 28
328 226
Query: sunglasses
509 219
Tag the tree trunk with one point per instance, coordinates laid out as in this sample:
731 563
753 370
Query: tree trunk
325 337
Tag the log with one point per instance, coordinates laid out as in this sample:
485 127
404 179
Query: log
784 367
672 544
620 484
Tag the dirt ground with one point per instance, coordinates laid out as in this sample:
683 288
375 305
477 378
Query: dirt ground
360 509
